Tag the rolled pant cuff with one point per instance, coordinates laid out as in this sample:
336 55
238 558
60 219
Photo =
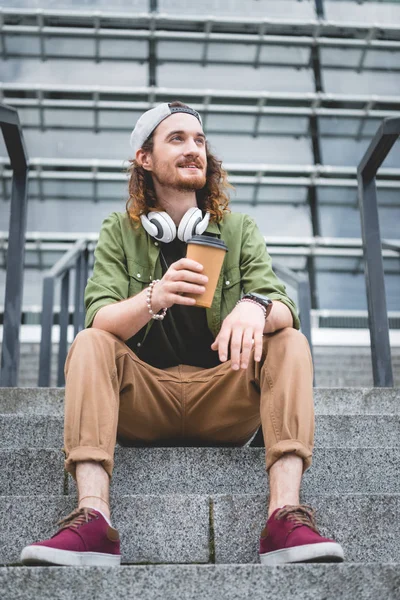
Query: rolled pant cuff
286 447
87 453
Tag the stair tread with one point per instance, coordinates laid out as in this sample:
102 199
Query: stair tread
234 582
329 400
18 430
208 470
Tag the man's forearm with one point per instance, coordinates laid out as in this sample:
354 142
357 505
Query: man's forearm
124 319
279 317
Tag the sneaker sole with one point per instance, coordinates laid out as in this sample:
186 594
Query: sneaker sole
42 555
323 552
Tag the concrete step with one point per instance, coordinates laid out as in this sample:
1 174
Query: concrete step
346 431
186 582
333 380
205 470
379 401
329 382
203 529
32 472
354 358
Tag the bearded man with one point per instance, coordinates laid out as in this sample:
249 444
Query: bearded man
151 368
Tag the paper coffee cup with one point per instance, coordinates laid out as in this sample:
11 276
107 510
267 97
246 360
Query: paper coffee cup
209 252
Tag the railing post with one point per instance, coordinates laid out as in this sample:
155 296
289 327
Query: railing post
319 8
86 255
47 326
304 300
85 271
64 320
78 282
376 153
14 142
61 269
375 284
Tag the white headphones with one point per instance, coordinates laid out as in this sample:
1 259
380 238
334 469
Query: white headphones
160 225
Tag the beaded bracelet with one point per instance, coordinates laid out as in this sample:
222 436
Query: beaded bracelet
148 302
254 302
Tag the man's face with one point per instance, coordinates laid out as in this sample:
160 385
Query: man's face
179 156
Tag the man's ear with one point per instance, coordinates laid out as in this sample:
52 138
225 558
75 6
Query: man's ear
144 159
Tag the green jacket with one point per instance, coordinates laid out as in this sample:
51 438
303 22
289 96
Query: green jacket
127 260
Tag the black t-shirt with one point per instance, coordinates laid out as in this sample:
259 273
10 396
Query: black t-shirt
182 337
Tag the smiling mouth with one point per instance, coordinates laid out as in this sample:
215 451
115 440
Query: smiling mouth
189 167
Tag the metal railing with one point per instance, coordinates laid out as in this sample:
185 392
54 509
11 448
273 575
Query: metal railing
77 258
14 141
348 319
376 153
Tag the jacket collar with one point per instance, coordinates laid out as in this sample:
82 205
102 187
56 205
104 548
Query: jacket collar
213 228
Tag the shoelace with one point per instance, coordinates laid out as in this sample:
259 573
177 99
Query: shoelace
299 515
77 518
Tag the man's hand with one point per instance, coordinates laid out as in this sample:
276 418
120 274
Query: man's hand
183 276
244 324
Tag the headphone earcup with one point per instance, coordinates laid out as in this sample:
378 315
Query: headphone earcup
148 226
202 226
159 225
192 223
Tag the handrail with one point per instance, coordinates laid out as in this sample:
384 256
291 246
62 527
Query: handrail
374 156
15 144
390 246
77 257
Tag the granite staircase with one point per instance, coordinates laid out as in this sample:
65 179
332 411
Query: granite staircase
190 518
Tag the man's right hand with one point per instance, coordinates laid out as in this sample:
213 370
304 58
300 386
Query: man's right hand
183 276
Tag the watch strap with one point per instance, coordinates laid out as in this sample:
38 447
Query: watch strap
244 299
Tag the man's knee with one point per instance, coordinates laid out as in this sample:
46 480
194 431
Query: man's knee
89 344
288 342
93 335
288 335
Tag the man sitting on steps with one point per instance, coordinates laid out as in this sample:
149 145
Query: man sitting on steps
152 369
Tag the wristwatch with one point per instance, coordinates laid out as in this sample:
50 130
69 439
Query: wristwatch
260 299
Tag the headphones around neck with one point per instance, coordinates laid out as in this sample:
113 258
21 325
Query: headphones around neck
160 225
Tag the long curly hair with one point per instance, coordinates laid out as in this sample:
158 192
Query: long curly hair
213 197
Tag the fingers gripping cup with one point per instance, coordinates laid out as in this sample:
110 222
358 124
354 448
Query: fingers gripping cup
209 252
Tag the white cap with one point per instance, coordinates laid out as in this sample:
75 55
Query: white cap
152 118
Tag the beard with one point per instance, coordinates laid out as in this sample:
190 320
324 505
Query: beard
176 178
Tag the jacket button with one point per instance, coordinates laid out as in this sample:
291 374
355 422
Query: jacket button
139 344
138 275
227 282
156 243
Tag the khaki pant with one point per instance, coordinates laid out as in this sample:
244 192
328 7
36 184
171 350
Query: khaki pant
112 395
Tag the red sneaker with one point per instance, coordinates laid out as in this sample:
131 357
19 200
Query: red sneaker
290 535
84 539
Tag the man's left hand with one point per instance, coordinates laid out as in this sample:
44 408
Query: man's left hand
244 324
